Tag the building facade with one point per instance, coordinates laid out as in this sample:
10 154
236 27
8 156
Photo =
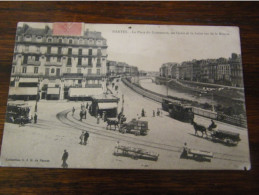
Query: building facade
57 64
121 68
219 71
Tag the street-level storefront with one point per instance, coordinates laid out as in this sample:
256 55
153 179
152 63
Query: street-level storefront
105 103
83 93
23 93
53 93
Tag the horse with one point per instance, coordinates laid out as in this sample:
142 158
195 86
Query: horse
112 122
212 126
198 127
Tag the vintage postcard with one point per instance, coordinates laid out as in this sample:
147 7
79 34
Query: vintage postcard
111 96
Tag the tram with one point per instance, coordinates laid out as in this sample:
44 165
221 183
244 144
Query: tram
18 113
177 110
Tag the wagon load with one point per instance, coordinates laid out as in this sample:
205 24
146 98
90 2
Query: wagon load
225 136
136 127
135 153
195 154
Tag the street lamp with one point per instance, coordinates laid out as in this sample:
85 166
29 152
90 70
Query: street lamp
167 88
37 98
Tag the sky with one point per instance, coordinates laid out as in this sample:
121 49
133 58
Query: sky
149 46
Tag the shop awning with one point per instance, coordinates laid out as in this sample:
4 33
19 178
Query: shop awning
53 91
108 105
29 80
23 91
84 92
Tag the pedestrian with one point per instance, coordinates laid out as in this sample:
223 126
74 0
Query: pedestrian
98 118
64 159
143 112
158 112
81 115
86 135
154 113
185 151
87 105
73 111
35 118
82 137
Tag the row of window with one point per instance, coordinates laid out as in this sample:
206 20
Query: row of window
60 40
59 51
27 58
52 71
24 70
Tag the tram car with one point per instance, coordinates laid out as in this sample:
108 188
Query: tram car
18 113
177 110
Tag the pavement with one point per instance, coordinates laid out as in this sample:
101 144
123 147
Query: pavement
43 144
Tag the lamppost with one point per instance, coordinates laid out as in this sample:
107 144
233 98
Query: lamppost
167 88
37 97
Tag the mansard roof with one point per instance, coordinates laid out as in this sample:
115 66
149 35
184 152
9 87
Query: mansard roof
27 30
37 31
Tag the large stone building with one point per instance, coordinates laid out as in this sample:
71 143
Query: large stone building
121 68
219 71
236 70
56 65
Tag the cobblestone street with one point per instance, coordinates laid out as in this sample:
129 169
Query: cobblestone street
58 130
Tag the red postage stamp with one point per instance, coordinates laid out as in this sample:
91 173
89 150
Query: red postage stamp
68 28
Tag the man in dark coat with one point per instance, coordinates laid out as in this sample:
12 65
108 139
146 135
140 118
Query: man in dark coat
73 111
81 115
86 137
35 118
64 159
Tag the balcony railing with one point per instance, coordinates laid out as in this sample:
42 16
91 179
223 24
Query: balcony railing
33 62
93 85
53 63
27 75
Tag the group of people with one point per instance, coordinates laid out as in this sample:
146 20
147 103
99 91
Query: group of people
23 119
83 111
83 141
84 137
157 113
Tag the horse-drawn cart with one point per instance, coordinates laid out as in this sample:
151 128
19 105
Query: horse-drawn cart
135 127
216 135
227 137
135 153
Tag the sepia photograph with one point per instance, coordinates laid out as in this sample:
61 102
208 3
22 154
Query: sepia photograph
126 96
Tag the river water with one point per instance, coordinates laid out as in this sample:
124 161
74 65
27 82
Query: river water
162 89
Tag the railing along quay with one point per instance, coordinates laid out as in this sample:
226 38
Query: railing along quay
159 98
